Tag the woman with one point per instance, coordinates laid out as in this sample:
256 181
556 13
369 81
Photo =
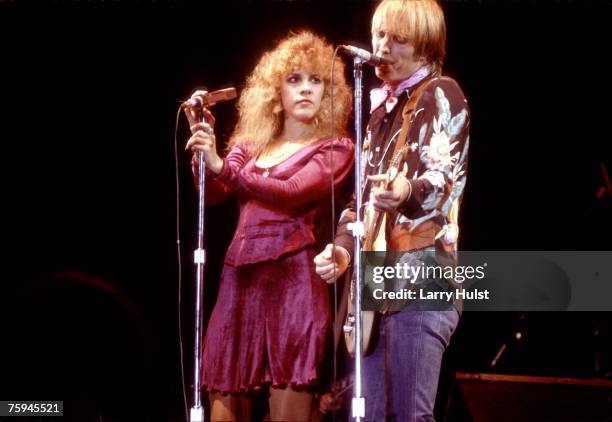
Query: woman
270 324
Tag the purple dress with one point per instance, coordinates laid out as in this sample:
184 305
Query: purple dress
271 319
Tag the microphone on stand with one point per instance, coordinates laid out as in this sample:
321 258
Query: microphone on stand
199 101
364 55
210 98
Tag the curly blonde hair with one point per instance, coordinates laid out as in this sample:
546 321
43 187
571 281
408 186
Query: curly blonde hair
260 109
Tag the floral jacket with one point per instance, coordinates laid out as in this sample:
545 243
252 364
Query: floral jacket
438 140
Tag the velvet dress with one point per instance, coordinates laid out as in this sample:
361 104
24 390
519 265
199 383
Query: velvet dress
271 320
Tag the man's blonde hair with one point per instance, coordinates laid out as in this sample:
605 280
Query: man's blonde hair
419 21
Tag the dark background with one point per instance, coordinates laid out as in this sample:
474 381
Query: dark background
89 91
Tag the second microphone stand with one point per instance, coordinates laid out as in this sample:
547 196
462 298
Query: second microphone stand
358 402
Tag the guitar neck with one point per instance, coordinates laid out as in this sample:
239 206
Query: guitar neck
372 230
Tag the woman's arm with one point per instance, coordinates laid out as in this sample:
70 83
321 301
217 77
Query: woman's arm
216 190
310 183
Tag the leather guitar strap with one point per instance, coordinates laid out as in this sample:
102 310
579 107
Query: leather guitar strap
407 113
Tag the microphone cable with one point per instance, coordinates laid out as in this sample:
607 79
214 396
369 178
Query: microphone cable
180 260
333 232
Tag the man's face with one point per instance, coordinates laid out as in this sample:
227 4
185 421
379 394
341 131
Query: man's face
400 52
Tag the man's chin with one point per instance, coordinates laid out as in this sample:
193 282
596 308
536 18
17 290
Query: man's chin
383 72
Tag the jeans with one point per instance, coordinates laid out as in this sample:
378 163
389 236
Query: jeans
401 375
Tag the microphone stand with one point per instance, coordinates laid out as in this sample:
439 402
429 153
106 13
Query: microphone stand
199 258
358 402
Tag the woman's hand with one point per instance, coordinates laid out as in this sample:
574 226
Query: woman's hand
194 115
203 136
325 264
203 139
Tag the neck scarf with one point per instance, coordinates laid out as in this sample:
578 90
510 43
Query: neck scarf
385 95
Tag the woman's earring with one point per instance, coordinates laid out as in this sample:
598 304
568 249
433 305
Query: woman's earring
277 109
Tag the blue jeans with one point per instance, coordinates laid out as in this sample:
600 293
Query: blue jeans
401 375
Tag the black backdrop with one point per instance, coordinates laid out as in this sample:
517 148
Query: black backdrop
89 91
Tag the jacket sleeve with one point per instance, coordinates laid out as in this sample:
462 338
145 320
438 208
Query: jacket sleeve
344 235
440 139
310 183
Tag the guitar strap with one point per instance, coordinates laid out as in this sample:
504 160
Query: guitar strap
407 114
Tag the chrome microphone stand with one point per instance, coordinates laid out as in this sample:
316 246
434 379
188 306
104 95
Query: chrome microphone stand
358 402
199 258
202 100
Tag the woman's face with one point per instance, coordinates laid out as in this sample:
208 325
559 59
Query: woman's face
301 94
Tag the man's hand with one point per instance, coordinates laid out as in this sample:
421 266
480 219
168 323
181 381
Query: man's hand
390 200
325 266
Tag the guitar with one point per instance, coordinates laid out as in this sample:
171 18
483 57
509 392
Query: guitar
374 240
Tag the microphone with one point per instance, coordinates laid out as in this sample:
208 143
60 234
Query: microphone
364 55
210 98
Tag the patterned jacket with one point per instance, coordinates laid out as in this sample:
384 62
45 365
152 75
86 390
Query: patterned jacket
438 140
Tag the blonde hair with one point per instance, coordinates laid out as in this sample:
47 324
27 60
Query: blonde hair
421 22
260 110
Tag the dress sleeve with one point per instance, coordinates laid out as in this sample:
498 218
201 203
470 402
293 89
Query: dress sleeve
216 190
310 183
442 130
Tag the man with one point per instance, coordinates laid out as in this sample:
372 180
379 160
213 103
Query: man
421 205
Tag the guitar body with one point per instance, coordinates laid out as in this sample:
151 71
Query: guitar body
369 324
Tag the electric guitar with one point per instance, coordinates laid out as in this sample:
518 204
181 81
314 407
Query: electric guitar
374 240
